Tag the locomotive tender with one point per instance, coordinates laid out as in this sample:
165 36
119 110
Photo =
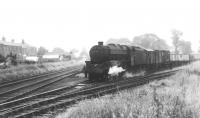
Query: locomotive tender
105 56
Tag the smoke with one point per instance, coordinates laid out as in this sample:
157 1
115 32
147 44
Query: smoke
115 70
80 75
130 75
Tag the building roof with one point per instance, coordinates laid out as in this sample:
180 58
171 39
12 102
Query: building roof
25 45
10 43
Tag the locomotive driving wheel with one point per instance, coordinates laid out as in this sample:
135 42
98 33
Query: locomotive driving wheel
105 76
91 77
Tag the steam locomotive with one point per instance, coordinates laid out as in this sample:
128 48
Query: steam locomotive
105 56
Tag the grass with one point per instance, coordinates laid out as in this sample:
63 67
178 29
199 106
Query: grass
174 97
21 71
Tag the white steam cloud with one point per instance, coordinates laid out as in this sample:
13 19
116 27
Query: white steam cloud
80 75
130 75
115 70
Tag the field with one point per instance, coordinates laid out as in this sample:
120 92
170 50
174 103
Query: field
21 71
174 97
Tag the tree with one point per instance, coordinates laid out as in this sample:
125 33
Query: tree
2 58
58 50
122 41
84 54
159 44
73 52
144 40
41 51
150 41
185 47
176 34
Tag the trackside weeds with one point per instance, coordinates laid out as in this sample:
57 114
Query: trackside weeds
20 71
174 97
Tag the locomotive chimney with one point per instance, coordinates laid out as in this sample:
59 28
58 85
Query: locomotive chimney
100 43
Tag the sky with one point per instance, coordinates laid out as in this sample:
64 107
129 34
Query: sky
82 23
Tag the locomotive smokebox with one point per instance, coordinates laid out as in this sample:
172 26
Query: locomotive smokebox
100 43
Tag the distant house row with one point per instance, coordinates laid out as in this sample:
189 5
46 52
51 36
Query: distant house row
21 50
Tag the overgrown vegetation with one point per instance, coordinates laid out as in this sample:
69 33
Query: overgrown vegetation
175 97
21 71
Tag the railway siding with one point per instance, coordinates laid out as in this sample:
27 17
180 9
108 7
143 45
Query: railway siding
54 102
11 86
31 86
22 72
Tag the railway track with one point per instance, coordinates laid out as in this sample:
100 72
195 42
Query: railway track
52 100
33 77
29 86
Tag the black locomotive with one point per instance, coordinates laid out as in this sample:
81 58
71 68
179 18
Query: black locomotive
105 56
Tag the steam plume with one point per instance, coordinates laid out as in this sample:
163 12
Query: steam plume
115 70
130 75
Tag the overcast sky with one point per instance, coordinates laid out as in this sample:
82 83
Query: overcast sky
82 23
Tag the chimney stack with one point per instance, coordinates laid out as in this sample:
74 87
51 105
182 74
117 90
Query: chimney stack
23 41
13 40
100 43
3 39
